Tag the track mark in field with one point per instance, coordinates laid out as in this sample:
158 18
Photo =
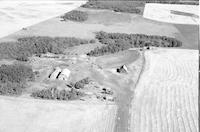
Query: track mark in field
166 97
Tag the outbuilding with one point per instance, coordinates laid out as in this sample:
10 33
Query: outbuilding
122 69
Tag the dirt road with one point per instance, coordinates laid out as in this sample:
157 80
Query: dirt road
122 84
123 117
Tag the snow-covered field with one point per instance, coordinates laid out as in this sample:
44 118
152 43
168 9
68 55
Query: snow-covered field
29 115
166 98
17 14
172 13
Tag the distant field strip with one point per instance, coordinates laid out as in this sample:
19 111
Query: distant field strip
184 13
172 13
166 97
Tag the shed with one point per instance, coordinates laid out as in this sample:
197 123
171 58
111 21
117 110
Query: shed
122 69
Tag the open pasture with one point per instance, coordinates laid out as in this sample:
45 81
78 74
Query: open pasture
18 14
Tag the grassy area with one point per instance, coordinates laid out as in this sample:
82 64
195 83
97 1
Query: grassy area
118 6
13 78
189 34
78 16
26 47
115 42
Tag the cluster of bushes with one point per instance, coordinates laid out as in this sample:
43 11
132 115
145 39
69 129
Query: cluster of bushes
55 94
118 6
13 78
80 84
26 47
115 42
10 88
78 16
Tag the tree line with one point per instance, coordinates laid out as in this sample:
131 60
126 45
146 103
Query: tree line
115 42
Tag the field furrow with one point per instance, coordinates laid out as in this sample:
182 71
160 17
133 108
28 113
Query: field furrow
166 97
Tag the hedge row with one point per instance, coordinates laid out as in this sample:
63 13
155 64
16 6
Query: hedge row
55 94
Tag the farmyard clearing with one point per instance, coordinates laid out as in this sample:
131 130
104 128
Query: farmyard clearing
144 88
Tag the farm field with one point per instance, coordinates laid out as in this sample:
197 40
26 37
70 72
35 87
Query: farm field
28 115
109 21
179 14
166 97
190 41
15 15
98 20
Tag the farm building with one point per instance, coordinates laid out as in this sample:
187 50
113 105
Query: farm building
122 69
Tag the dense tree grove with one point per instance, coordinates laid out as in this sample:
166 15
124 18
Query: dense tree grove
13 78
118 6
15 73
115 42
78 16
26 47
35 45
55 94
